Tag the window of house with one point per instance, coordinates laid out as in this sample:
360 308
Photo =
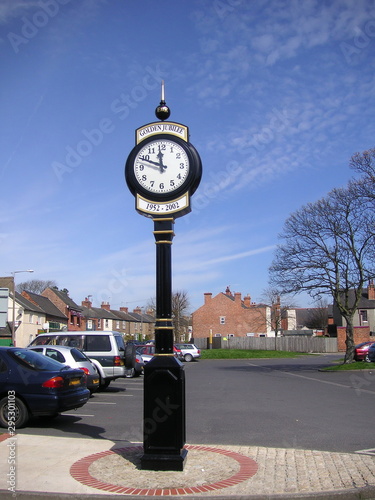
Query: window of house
217 335
99 323
222 320
117 324
363 316
89 324
31 318
106 323
230 334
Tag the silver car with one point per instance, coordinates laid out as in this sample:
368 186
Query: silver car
189 352
74 358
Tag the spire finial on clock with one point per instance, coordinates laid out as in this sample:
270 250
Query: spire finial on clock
162 111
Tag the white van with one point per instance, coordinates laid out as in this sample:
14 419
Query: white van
106 350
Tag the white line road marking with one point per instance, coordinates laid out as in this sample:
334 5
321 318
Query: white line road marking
100 403
76 415
321 381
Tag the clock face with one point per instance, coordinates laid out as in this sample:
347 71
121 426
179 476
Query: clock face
161 166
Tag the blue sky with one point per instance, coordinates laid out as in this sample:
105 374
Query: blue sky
277 95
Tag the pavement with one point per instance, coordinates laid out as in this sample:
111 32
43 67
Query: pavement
34 467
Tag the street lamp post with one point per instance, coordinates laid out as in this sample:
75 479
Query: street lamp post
14 303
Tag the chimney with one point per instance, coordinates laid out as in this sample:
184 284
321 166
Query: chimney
228 292
207 297
124 309
237 296
106 306
247 301
87 303
371 291
137 310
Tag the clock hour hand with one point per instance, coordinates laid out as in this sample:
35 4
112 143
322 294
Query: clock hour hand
160 156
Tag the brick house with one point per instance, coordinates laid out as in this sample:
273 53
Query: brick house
53 316
68 307
365 314
135 325
228 315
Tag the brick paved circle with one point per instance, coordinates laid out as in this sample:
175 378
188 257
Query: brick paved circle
80 471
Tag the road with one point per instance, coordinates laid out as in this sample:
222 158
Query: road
285 403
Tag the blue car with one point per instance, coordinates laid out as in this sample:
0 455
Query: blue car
34 385
371 353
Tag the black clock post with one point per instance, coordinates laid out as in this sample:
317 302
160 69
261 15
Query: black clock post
162 171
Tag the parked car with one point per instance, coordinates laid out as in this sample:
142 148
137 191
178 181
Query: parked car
74 358
147 352
371 353
106 350
34 385
137 370
189 352
361 351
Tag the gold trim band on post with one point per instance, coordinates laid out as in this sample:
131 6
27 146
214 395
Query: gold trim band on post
163 219
166 231
163 241
169 354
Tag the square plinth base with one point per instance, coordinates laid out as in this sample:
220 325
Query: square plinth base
164 462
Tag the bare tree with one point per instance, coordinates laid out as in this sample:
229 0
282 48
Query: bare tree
180 306
318 316
280 305
35 286
328 249
364 163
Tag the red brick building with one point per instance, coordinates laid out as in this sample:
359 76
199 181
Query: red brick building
227 315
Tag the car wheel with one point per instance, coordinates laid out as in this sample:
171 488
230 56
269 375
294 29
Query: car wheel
21 413
188 357
130 373
367 359
103 384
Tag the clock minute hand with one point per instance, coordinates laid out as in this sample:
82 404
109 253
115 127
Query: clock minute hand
150 161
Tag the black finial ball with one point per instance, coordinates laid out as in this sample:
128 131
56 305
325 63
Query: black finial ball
162 111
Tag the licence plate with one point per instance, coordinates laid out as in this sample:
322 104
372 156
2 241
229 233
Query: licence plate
75 381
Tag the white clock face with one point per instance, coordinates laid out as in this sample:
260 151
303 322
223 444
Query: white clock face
161 166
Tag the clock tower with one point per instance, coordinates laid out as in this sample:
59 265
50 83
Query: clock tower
163 171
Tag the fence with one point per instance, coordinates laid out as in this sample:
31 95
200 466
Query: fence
295 344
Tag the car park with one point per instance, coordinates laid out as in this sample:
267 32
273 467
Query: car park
189 352
106 350
361 351
73 357
34 385
371 353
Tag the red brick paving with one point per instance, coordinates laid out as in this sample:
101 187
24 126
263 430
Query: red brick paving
80 471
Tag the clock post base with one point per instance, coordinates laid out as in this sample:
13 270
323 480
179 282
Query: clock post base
164 414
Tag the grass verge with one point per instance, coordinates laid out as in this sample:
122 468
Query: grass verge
246 354
357 365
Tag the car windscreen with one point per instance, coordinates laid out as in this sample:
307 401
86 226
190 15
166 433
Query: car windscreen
35 361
